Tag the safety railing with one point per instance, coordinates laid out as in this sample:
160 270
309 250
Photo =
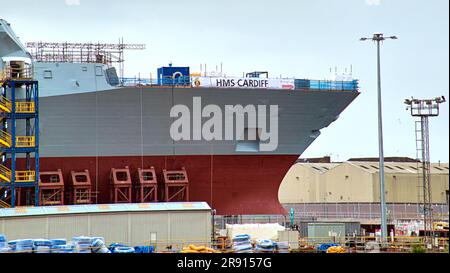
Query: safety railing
25 107
25 176
5 173
300 84
5 104
5 138
25 141
3 204
350 85
17 73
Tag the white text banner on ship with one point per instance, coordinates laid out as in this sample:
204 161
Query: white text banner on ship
259 83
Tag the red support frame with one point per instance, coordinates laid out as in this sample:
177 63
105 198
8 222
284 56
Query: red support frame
51 188
81 187
176 185
147 186
121 185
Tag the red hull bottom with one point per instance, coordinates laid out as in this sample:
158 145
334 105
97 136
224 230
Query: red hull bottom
230 184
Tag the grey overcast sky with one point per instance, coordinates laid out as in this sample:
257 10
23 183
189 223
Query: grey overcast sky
290 38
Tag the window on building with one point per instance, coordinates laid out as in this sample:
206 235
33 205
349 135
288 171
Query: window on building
364 167
400 167
438 168
375 167
388 167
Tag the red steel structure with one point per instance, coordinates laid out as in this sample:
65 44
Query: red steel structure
81 187
147 186
51 188
121 185
176 185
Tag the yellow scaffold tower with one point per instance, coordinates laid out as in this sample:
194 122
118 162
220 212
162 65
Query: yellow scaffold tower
19 136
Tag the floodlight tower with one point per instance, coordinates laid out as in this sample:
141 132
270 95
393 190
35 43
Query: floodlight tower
424 109
378 38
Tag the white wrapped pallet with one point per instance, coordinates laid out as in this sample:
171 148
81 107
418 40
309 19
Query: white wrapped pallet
255 231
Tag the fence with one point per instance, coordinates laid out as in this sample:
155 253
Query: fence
370 211
300 84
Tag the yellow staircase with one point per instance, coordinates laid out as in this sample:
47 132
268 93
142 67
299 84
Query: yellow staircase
21 106
5 139
21 141
4 205
21 176
5 104
5 173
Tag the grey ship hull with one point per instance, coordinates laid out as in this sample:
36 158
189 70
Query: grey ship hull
130 127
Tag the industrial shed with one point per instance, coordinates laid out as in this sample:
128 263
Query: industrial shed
158 224
351 190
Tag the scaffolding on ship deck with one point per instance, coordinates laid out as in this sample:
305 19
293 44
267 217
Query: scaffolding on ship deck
64 52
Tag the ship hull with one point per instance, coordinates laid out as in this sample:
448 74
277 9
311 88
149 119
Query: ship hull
231 184
108 129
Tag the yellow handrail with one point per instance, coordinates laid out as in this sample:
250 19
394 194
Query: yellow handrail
3 204
25 141
5 138
5 104
5 173
25 176
25 107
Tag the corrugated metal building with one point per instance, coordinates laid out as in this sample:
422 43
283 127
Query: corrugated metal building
351 189
158 224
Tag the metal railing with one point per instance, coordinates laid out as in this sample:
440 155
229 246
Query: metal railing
5 104
300 84
25 141
5 173
25 176
351 85
25 107
364 210
17 73
5 138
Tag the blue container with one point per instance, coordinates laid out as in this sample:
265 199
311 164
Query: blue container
301 84
172 75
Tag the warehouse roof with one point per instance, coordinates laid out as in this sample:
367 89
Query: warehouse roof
320 167
373 167
400 167
103 208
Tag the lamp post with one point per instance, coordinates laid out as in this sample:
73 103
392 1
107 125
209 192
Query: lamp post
378 38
